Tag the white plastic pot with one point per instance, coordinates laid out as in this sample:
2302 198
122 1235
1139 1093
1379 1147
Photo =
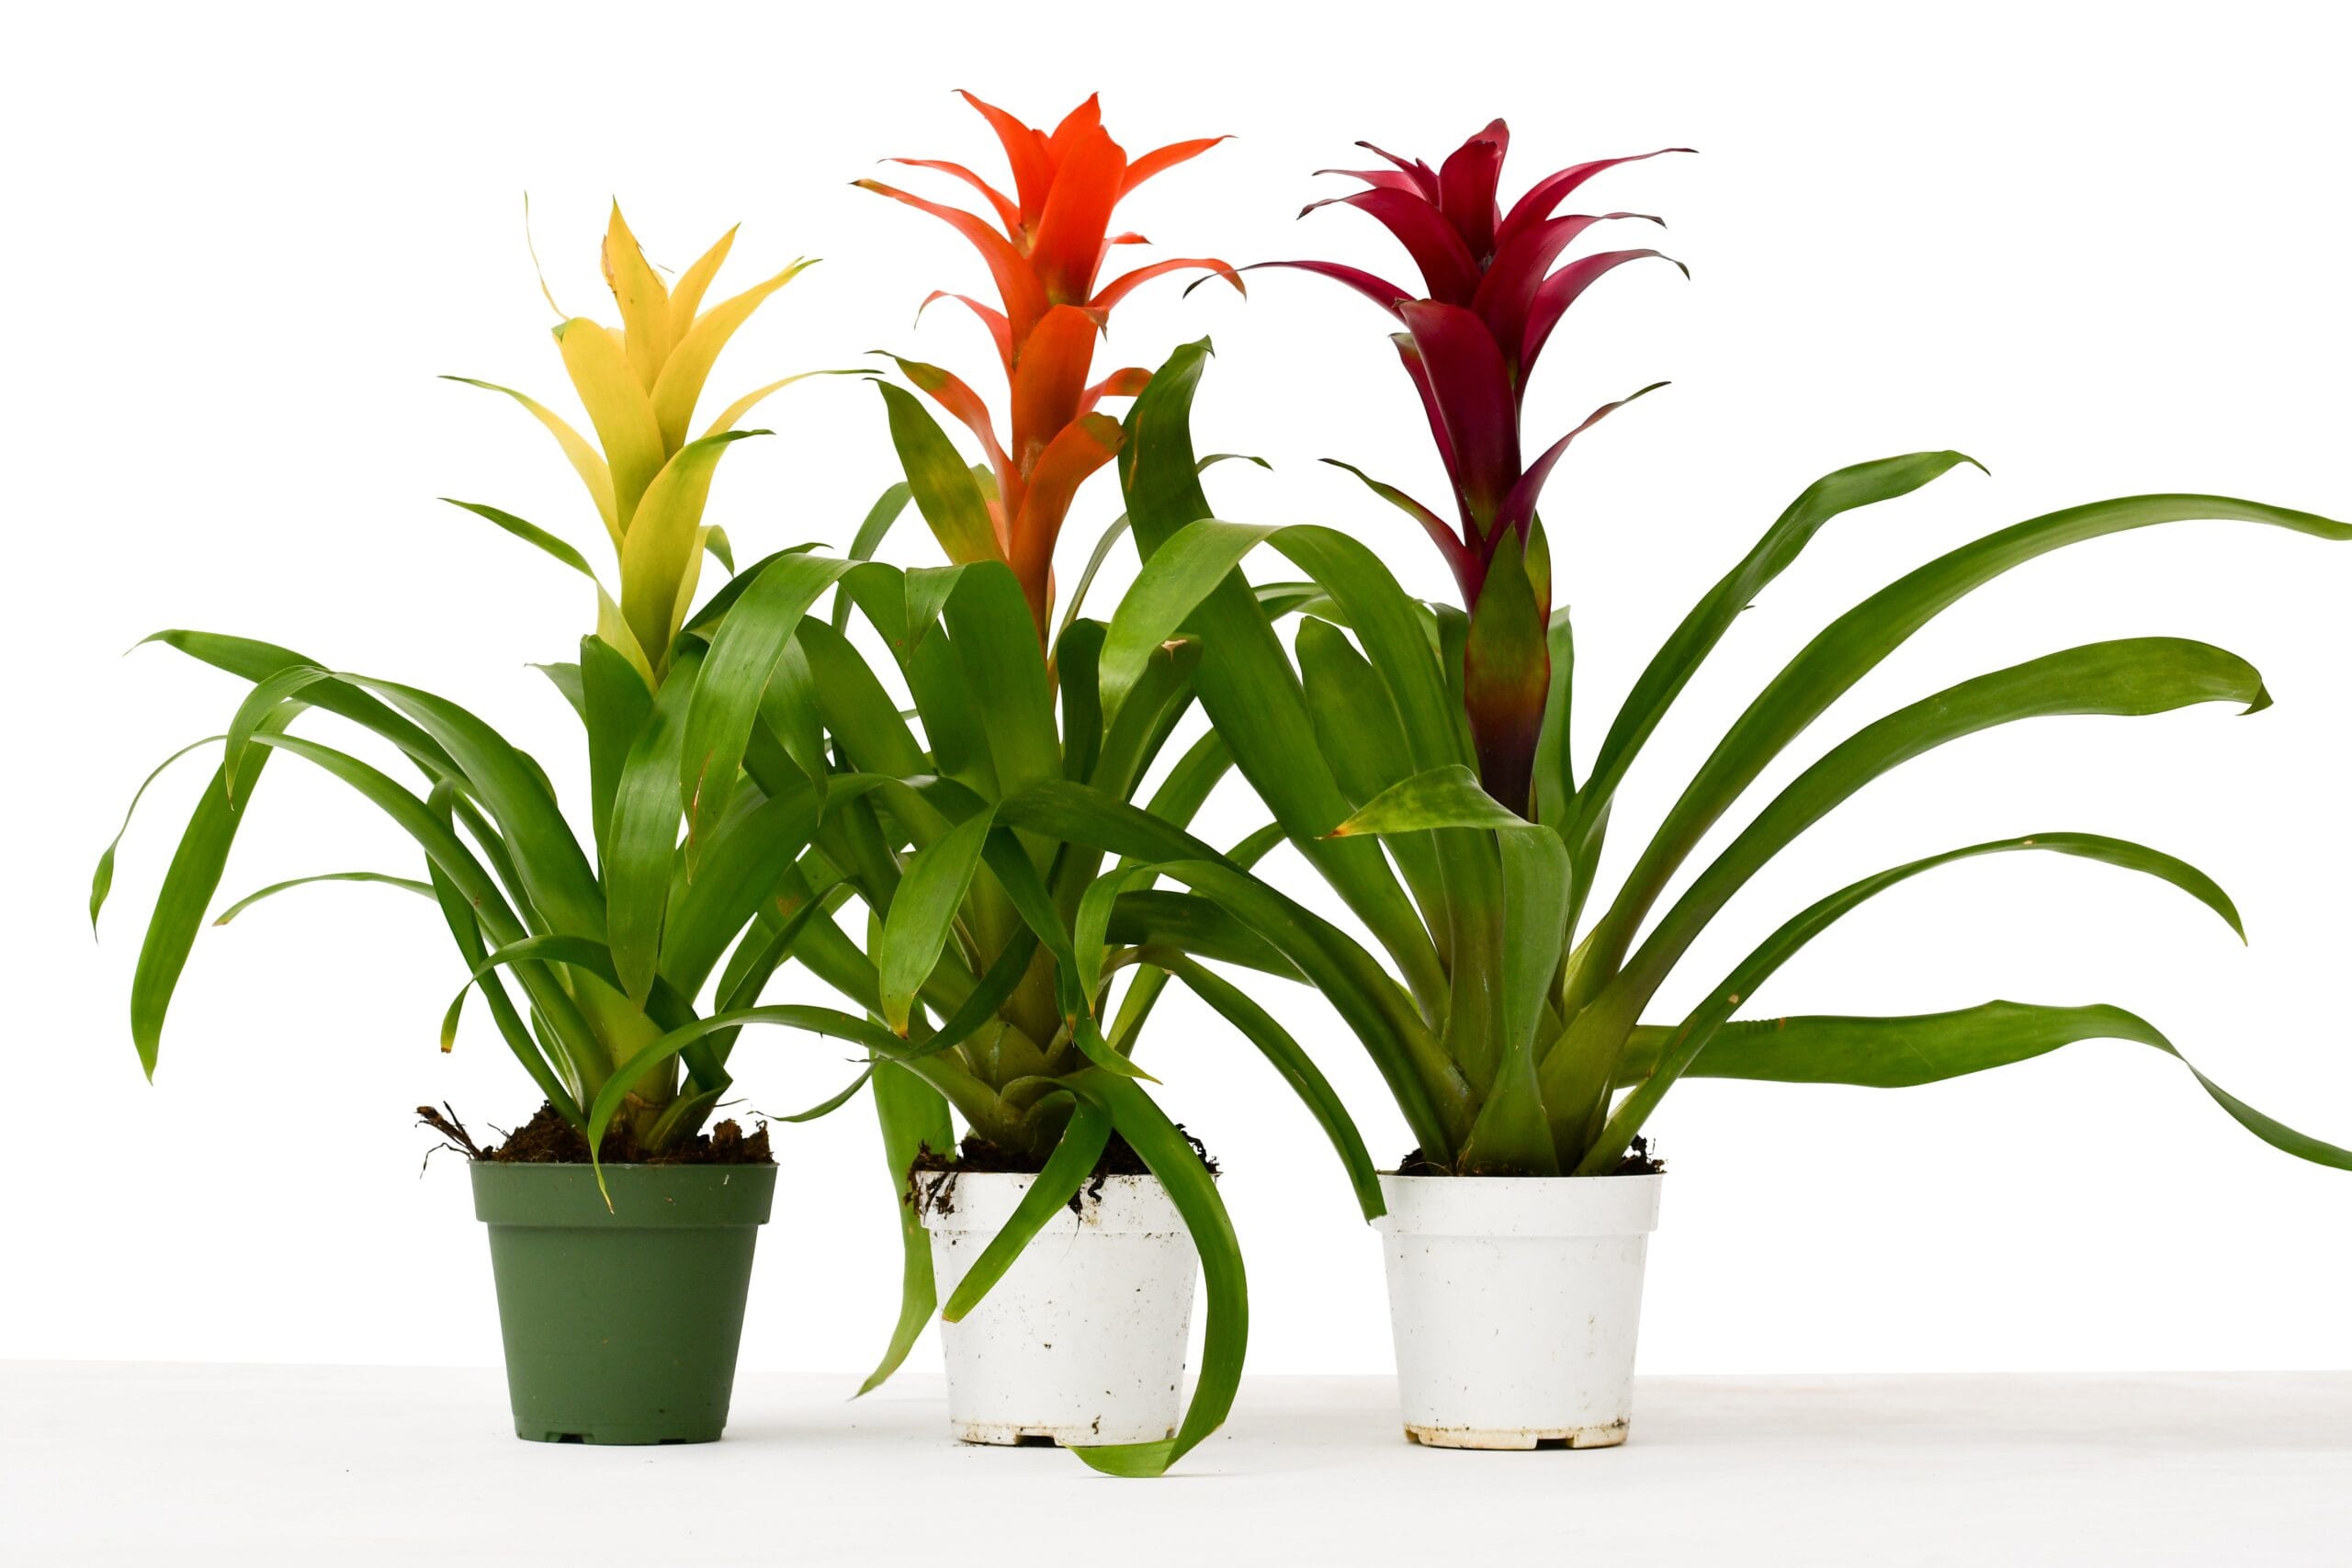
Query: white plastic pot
1515 1303
1082 1341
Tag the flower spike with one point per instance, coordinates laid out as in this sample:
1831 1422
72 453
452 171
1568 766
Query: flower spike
1046 253
640 383
1491 301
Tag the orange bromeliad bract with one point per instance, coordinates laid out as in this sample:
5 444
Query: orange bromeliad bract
1055 236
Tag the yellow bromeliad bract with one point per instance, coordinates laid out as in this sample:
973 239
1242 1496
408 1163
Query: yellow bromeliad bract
639 383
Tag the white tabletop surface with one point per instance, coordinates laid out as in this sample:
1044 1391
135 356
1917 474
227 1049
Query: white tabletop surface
188 1464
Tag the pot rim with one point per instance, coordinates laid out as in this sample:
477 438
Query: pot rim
1508 1206
664 1197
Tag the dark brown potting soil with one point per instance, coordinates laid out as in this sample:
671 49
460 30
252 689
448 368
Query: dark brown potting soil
978 1155
548 1139
1638 1161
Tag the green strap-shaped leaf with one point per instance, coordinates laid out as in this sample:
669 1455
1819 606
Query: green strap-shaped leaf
1086 1033
833 1101
2132 676
661 546
1883 1052
1089 931
264 700
871 531
1555 780
1171 586
1183 572
547 857
1118 530
1783 945
189 887
1448 811
102 876
743 655
1355 725
530 533
915 1117
1146 716
1298 1069
483 901
745 862
1248 687
988 618
954 722
1083 1138
1186 922
577 950
1854 644
857 713
1449 797
928 588
1101 553
1426 1086
643 839
253 661
1187 785
615 701
564 677
1077 664
1513 1136
979 1007
275 888
1679 657
944 492
773 938
1135 1007
1899 1053
556 1076
714 609
1401 641
2127 677
959 1088
1887 1052
923 912
720 549
1227 1338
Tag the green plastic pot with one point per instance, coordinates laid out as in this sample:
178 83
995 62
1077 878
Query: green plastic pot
621 1325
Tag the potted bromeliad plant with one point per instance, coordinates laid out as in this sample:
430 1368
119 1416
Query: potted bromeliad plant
621 1292
1018 970
1416 755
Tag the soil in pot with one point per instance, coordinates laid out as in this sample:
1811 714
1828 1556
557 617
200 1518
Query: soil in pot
976 1154
1639 1160
548 1139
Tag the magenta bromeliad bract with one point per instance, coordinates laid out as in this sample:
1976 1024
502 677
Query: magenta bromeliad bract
1490 300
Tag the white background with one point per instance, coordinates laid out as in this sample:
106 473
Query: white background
2101 250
